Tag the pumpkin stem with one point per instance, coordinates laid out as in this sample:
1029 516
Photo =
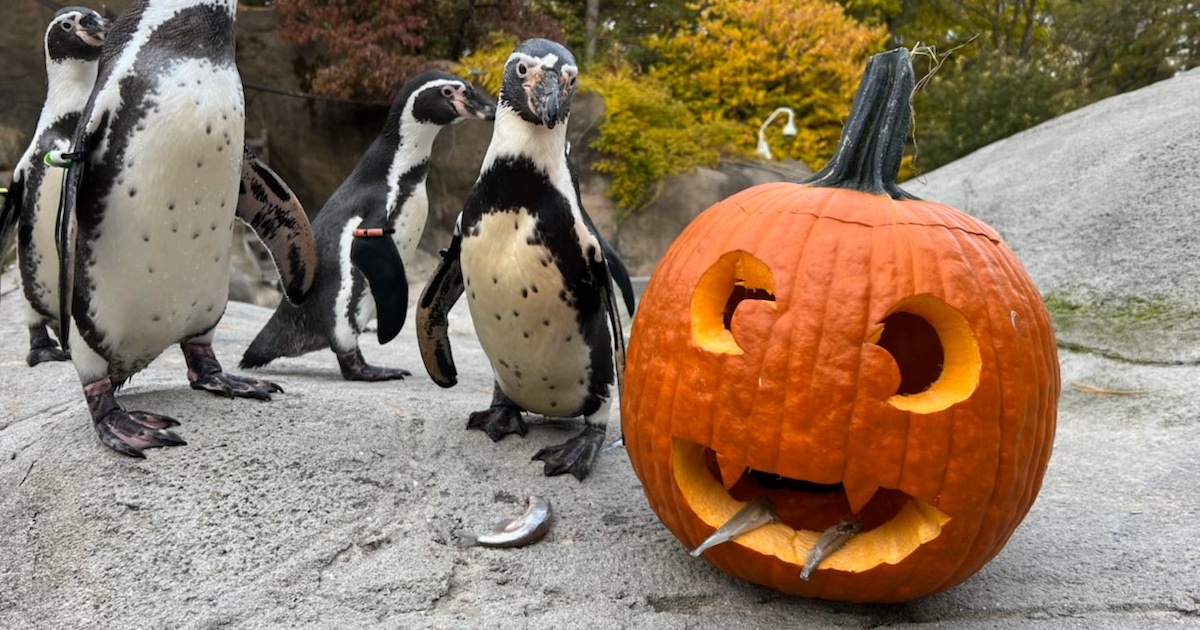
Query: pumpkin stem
873 140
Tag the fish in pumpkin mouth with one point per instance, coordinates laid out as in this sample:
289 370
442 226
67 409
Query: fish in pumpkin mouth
801 522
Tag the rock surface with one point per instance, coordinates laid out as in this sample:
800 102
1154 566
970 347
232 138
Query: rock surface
1102 206
338 505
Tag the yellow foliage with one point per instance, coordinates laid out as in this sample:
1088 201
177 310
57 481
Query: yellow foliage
485 67
742 59
648 135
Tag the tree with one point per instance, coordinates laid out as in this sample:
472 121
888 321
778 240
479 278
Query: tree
619 25
1121 46
738 60
367 48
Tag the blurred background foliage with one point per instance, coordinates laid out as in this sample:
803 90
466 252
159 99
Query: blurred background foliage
688 83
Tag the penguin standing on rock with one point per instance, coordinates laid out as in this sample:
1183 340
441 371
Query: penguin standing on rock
537 275
72 47
367 230
157 173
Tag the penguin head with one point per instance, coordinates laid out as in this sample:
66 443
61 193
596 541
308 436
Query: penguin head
438 98
75 33
540 78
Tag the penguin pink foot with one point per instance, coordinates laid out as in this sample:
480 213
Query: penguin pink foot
43 348
127 432
355 368
574 456
206 373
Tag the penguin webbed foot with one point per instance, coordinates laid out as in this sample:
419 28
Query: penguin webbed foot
43 348
127 432
355 368
205 373
498 421
574 456
46 354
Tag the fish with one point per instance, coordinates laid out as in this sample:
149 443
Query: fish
524 530
753 515
830 541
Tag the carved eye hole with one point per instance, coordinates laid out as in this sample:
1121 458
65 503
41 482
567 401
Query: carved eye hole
733 279
936 352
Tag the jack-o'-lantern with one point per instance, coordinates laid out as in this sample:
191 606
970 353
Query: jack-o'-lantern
851 355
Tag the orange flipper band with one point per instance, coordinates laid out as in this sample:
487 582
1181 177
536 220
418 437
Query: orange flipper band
372 232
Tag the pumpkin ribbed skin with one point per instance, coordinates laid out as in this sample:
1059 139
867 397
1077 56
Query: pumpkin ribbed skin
887 359
809 398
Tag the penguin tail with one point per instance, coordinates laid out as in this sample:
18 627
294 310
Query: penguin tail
259 353
282 336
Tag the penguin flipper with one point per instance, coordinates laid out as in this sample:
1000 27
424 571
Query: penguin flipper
10 213
616 268
378 260
66 229
271 209
433 315
620 275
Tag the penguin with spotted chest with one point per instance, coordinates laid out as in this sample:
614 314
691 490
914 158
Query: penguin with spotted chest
537 275
72 50
368 229
158 172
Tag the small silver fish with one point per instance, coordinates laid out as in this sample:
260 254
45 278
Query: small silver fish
526 529
753 515
830 541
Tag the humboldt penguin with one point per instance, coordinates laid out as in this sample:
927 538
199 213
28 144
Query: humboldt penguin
368 230
538 277
157 172
72 51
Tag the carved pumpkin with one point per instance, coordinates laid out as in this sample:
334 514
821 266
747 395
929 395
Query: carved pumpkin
850 353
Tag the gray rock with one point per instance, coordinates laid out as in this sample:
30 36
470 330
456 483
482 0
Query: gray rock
1102 206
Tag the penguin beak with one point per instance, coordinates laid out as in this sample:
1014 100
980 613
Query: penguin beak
545 97
92 29
475 105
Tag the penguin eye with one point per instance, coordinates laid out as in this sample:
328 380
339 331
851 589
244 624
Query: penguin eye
447 91
522 69
66 26
574 80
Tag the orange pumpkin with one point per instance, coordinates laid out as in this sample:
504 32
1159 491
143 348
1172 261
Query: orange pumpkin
852 354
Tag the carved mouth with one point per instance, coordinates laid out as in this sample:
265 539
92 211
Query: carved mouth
894 524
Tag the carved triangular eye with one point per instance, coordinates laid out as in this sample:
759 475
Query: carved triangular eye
936 352
733 279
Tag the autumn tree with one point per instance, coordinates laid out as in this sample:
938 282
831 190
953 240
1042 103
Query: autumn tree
1016 63
739 60
367 48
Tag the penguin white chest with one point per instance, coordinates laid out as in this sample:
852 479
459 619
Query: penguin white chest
160 270
524 316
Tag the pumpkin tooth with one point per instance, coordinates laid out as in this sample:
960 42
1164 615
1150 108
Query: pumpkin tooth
732 470
857 495
830 541
753 515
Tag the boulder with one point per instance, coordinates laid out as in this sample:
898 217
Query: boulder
1101 206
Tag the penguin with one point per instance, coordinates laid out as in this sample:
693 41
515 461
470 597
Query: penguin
537 275
157 173
368 230
72 50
